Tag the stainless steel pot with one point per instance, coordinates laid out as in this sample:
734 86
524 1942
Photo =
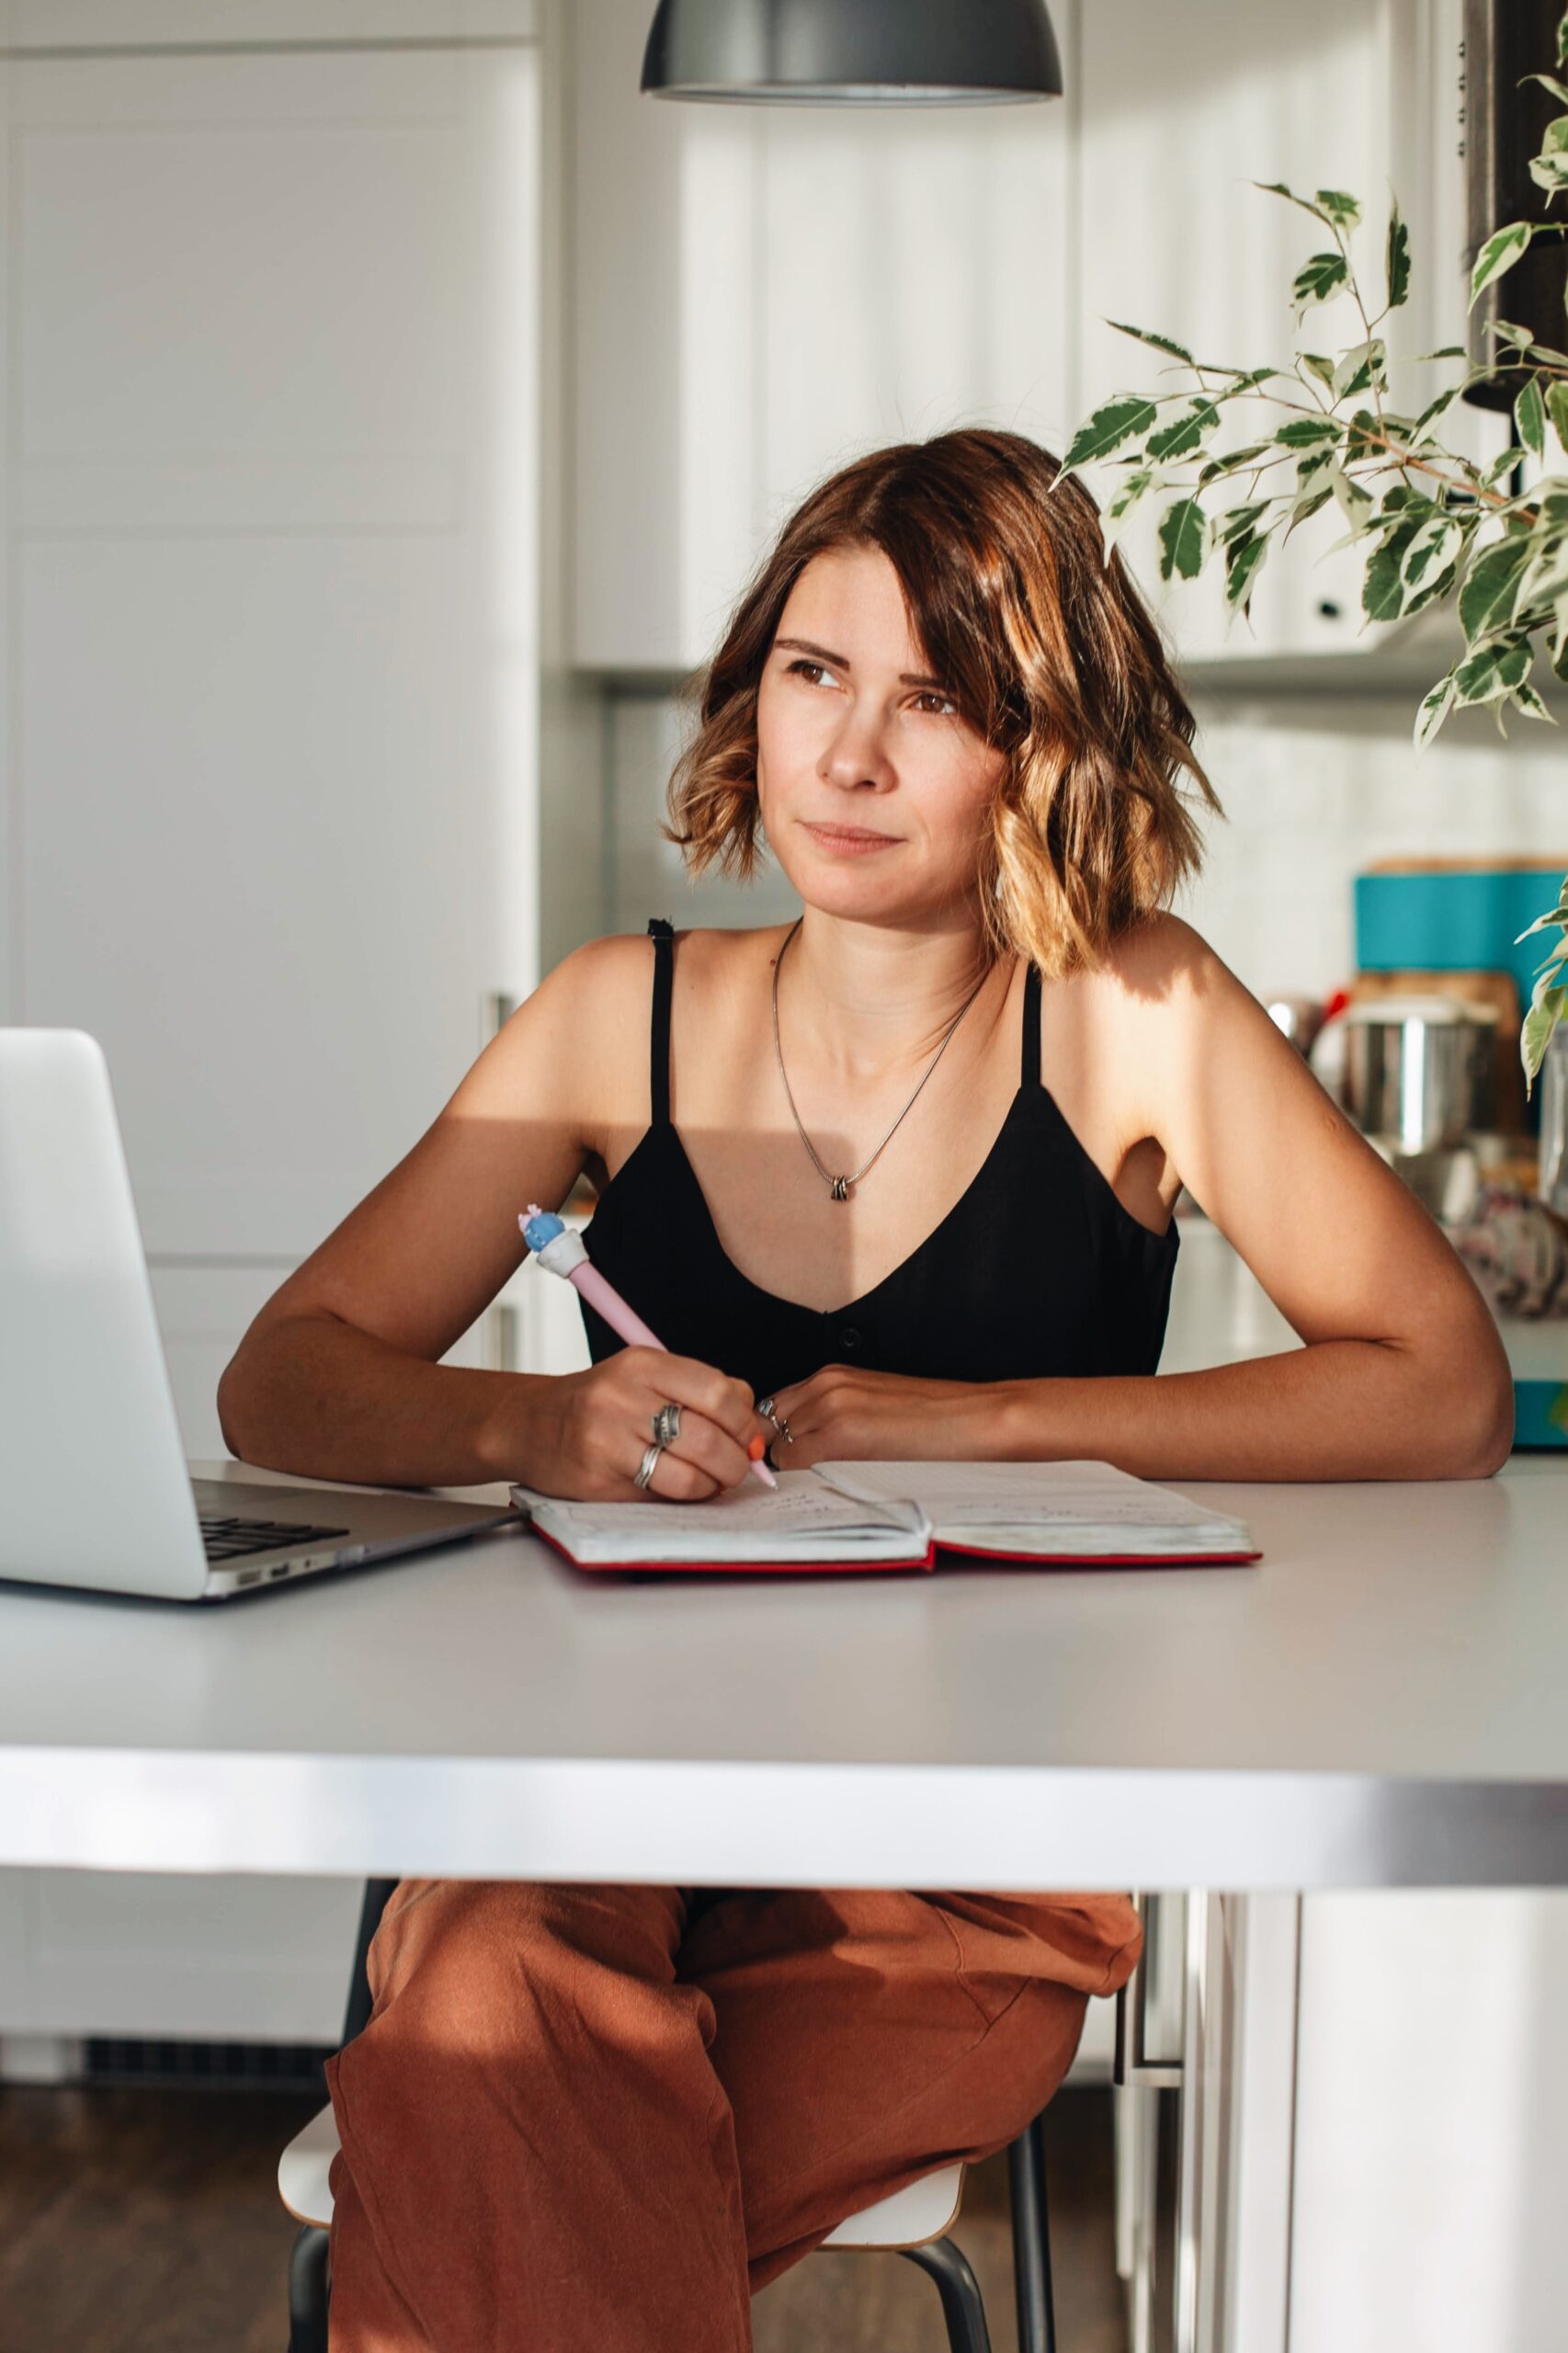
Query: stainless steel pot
1421 1070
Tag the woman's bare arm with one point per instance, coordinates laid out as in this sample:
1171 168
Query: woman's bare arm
1402 1375
337 1377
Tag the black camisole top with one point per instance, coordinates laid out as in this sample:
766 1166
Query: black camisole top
1038 1270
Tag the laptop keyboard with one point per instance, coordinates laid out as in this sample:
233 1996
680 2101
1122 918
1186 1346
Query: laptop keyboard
226 1539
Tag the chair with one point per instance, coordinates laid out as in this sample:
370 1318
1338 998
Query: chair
913 2222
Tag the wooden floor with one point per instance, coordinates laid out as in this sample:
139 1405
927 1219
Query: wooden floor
148 2221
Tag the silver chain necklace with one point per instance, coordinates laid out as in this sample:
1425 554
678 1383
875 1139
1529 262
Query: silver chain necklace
838 1186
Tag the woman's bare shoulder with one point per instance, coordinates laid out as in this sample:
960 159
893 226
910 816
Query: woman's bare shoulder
1159 962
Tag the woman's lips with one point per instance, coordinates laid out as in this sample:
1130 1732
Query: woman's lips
850 840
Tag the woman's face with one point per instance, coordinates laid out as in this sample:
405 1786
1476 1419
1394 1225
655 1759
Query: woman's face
874 792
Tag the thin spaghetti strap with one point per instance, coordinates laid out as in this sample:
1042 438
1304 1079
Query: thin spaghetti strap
662 936
1030 1076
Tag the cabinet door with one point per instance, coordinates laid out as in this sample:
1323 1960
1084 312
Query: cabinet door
191 1958
272 515
1431 2162
1182 110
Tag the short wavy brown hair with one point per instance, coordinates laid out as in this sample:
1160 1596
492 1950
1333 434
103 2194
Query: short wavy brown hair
1047 649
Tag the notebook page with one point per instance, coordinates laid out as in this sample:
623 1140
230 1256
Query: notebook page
803 1519
1027 1503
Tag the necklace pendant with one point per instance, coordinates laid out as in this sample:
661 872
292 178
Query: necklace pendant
839 1189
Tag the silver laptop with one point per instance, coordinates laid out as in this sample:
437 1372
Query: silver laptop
93 1487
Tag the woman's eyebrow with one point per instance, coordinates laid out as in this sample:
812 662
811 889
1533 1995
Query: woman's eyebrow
841 661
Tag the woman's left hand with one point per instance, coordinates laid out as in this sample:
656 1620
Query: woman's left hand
844 1413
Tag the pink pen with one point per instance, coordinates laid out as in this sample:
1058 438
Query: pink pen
565 1254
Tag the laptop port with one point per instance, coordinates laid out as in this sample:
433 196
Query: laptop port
249 1576
281 1571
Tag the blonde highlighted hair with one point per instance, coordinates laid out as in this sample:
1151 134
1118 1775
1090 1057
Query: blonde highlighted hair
1047 650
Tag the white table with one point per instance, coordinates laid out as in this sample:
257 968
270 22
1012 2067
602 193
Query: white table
1378 1702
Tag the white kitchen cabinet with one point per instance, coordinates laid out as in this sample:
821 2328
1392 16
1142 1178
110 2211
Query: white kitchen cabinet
272 668
1181 113
1431 2159
191 1960
763 292
270 645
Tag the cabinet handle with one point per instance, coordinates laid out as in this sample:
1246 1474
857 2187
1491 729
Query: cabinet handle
502 1349
1131 2063
496 1008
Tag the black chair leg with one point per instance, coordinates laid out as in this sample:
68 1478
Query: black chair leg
308 2291
1031 2241
961 2307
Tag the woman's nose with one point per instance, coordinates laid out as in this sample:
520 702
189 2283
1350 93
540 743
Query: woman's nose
856 753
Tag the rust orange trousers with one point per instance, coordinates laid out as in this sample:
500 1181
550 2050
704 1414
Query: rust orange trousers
594 2119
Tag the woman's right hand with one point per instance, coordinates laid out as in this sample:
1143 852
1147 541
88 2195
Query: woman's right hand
584 1433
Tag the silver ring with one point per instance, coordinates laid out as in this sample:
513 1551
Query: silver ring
765 1413
645 1468
666 1423
786 1434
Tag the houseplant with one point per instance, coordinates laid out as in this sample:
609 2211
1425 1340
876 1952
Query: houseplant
1435 527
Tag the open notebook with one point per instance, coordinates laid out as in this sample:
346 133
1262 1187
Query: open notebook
898 1515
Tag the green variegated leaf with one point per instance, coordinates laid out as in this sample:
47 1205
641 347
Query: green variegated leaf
1432 412
1244 560
1434 709
1342 210
1236 519
1555 138
1550 172
1530 418
1433 548
1562 39
1184 540
1308 432
1278 188
1160 342
1362 366
1554 919
1397 260
1129 495
1107 429
1526 699
1493 670
1324 274
1517 338
1448 351
1185 432
1544 577
1486 600
1535 1031
1557 409
1502 464
1500 252
1382 586
1317 365
1307 504
1232 462
1355 503
1548 82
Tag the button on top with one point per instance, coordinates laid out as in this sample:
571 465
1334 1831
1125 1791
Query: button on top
848 1338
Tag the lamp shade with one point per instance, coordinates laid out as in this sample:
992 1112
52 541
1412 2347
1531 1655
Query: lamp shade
853 52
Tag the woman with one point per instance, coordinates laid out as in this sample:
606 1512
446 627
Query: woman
896 1181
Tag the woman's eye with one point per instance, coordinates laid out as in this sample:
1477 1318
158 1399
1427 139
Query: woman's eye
815 670
803 665
930 695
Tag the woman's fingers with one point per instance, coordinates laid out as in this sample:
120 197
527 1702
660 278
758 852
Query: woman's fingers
717 1420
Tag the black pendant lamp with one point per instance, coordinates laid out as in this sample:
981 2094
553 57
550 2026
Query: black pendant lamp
853 52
